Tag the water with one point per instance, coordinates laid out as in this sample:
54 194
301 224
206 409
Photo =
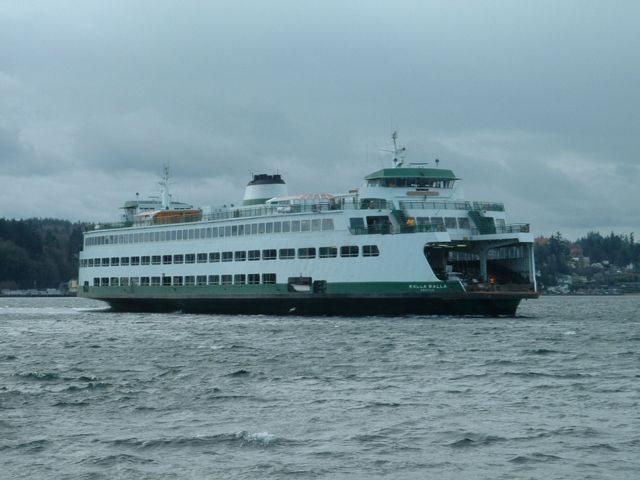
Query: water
91 394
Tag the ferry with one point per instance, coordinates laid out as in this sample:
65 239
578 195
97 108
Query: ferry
406 242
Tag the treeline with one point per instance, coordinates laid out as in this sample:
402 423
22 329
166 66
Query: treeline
43 253
556 255
38 253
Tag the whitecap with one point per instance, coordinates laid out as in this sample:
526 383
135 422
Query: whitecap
263 438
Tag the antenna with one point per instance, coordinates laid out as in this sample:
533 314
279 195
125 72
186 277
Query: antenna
398 152
437 163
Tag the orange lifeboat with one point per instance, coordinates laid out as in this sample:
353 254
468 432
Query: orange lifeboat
164 217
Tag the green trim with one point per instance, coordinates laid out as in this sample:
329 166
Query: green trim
203 291
255 201
411 172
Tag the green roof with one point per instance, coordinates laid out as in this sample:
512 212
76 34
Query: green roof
412 172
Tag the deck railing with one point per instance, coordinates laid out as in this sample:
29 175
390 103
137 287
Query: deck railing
511 228
391 229
327 206
488 206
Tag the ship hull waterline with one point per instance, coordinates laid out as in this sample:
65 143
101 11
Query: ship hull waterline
471 304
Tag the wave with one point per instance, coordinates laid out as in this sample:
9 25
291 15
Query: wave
242 439
586 432
91 309
602 446
470 375
34 446
550 375
535 458
40 376
541 351
476 440
81 403
119 459
499 362
90 385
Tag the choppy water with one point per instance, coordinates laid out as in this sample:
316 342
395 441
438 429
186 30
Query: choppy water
90 394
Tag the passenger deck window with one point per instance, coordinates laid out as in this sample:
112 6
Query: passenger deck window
328 252
287 253
306 253
349 251
269 254
370 251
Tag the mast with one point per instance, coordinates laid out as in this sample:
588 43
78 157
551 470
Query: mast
398 152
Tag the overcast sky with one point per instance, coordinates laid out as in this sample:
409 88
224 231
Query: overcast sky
536 104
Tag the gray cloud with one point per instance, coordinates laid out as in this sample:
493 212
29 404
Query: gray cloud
533 104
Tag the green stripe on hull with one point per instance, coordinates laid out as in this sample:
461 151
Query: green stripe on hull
363 288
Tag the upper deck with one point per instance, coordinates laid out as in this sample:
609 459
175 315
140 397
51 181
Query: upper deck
410 198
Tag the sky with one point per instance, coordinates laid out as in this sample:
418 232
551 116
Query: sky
534 104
